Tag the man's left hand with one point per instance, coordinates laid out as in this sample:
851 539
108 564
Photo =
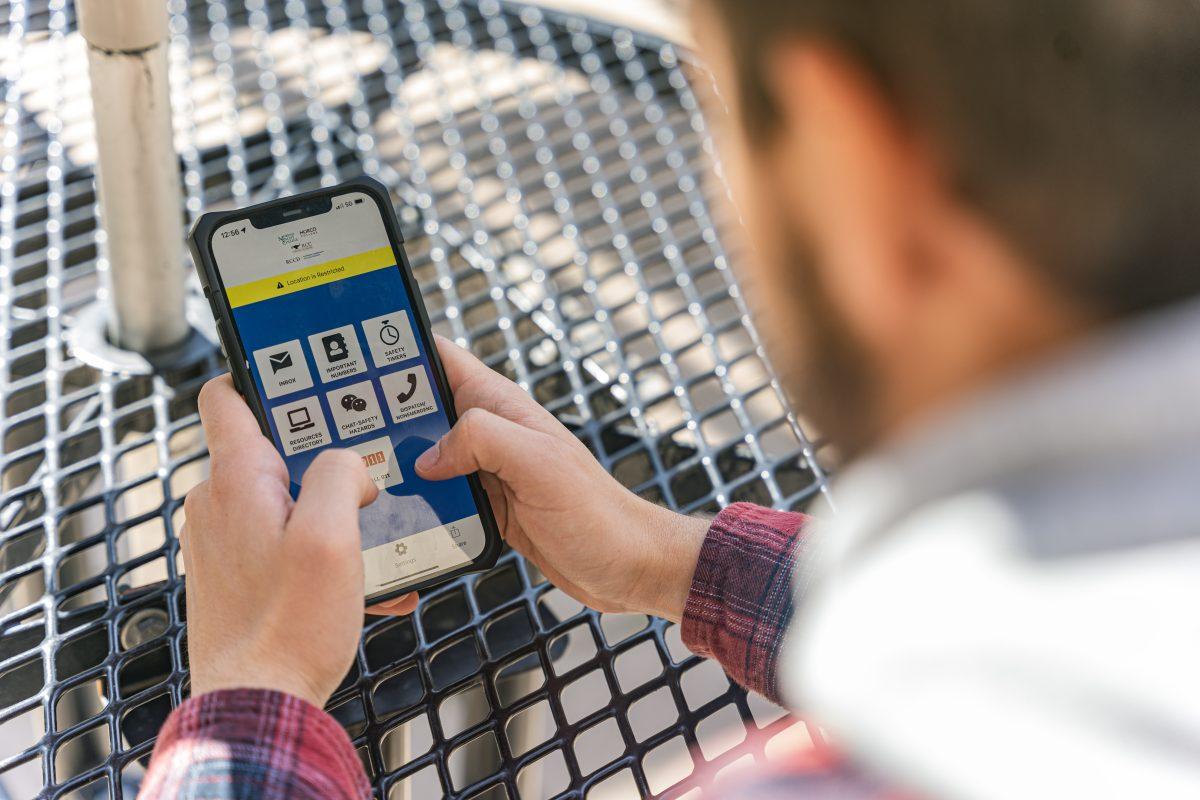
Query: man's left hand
274 587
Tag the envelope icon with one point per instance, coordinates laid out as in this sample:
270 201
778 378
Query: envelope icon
282 368
279 361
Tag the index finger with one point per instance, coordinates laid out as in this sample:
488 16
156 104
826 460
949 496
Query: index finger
462 367
232 431
476 385
400 606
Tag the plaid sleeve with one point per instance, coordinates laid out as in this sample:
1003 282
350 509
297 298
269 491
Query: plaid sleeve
740 601
253 743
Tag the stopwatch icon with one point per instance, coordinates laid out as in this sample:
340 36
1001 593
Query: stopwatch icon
389 333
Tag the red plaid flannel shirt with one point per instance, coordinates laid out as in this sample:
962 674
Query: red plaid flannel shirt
256 743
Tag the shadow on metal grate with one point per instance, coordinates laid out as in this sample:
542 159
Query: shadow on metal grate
548 173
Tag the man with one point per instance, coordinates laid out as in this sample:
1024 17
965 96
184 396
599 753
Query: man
978 231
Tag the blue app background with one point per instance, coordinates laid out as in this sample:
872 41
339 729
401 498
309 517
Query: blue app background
409 507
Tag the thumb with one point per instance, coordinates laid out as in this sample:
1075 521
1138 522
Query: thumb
335 486
479 441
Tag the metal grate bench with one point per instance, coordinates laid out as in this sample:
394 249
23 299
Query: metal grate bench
548 170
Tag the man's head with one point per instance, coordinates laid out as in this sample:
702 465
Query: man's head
940 190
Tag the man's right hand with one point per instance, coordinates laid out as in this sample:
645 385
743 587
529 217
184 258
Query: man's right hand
555 504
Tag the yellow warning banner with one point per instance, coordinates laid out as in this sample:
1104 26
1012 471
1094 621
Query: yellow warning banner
308 277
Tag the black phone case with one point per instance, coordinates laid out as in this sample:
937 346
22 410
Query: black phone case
200 243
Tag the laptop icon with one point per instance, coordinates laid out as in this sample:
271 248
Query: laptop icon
299 419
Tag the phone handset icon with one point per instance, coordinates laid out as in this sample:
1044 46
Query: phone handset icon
404 395
389 334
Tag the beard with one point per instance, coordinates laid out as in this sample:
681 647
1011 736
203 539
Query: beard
825 370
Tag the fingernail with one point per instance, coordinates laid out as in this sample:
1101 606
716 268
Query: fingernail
396 601
429 458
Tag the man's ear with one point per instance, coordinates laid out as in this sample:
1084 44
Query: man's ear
857 180
930 288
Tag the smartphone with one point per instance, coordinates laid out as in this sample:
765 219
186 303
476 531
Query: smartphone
325 332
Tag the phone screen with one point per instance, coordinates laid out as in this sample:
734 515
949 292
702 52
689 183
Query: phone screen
339 359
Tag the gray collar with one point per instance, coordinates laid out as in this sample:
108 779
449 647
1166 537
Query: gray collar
1098 447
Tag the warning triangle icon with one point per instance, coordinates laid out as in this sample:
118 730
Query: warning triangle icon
279 285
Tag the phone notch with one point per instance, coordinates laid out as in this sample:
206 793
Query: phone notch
301 209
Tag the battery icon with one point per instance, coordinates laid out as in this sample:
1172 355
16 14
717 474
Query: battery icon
357 200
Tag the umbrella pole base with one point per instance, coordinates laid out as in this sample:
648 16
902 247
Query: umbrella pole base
88 340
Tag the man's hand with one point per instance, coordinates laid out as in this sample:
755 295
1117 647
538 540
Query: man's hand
274 588
556 505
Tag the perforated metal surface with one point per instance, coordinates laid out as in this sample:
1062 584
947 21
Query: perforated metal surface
547 170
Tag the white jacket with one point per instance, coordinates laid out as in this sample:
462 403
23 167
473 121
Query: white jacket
1008 603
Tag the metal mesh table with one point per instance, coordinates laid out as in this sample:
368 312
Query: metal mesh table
548 174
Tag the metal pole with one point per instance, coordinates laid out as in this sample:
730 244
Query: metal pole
137 171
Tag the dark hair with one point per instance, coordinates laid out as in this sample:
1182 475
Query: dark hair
1073 124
